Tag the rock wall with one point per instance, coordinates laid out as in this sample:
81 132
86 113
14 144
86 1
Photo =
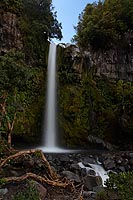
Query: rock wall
10 36
115 64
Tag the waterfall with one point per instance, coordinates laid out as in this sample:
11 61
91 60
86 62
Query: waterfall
50 142
50 139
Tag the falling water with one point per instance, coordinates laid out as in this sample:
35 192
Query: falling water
50 143
50 116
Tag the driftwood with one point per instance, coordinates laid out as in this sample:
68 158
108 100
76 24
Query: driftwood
53 177
39 179
22 153
48 178
80 194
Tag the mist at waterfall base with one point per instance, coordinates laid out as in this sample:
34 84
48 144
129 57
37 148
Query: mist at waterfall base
49 140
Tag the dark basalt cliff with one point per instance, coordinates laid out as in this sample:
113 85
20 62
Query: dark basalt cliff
114 64
10 36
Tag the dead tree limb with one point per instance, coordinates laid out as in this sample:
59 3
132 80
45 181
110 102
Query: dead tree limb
31 151
39 179
10 129
80 195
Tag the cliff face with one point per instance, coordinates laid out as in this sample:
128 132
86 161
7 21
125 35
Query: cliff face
10 36
115 64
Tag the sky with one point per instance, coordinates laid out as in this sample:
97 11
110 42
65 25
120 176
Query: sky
67 13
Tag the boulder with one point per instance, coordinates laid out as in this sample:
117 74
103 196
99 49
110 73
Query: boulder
109 164
98 189
41 190
91 181
83 172
88 194
3 191
75 168
88 160
91 172
71 176
121 168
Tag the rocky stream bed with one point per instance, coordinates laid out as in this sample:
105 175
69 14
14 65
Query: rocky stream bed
80 175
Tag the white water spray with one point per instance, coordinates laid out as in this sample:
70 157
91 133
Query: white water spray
98 169
49 140
49 130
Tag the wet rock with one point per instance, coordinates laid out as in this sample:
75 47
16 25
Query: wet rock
122 168
71 176
91 172
28 163
75 168
64 158
41 190
98 189
88 160
91 181
3 191
83 172
131 162
109 164
119 160
50 158
93 195
131 155
88 194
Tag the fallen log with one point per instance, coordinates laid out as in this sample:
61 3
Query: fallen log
31 151
39 179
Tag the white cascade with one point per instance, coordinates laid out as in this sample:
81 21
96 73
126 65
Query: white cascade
50 140
98 169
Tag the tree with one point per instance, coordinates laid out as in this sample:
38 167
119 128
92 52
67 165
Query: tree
40 13
104 23
14 77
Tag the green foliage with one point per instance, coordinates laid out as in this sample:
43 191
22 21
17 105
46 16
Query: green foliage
104 23
21 95
93 106
101 196
38 22
14 78
28 123
121 183
30 193
2 181
14 73
14 6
